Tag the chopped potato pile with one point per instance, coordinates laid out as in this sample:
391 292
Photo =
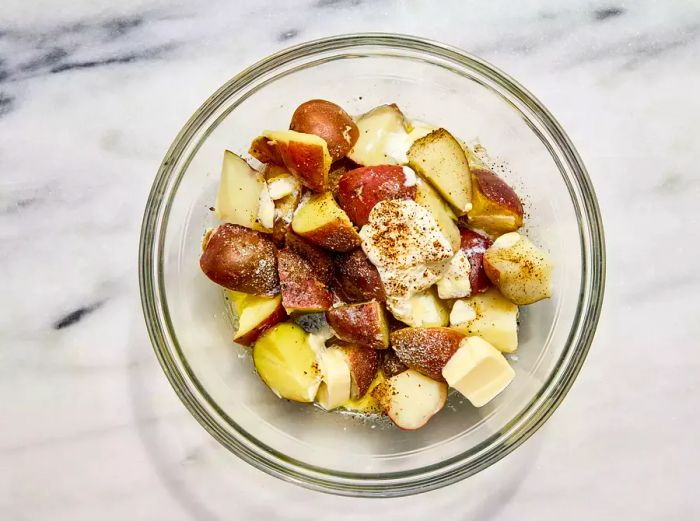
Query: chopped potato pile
372 263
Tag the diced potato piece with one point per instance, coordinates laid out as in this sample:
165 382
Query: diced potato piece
441 160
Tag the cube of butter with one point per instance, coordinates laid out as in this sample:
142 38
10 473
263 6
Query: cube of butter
478 370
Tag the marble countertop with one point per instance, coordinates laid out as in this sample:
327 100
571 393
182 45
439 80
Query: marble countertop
90 98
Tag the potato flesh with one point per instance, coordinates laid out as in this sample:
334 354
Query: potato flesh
249 308
238 196
286 362
280 364
441 160
519 269
428 198
488 315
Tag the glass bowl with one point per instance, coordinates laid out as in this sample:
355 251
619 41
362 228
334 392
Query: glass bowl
189 326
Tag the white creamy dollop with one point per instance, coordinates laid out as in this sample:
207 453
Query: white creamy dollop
420 310
410 176
397 143
266 208
403 240
455 281
282 186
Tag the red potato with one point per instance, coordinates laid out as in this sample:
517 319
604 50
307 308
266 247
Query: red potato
496 208
302 291
362 188
339 296
241 259
305 156
337 171
410 399
474 246
284 213
320 220
358 277
364 365
391 364
519 269
426 349
440 159
364 324
255 315
320 260
265 152
328 121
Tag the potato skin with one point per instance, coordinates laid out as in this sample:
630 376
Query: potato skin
241 259
426 349
320 260
364 363
475 245
364 324
358 277
328 121
496 208
302 291
265 152
391 364
359 190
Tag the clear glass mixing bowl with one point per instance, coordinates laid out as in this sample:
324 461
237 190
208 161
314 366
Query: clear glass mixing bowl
189 326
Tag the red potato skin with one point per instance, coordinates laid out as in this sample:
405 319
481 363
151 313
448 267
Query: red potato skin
339 296
497 190
496 208
359 190
265 152
474 245
301 290
337 171
329 122
363 324
338 236
364 364
306 163
492 273
358 278
391 364
426 349
241 259
320 260
277 316
284 209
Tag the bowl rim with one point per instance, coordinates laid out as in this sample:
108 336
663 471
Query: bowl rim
412 481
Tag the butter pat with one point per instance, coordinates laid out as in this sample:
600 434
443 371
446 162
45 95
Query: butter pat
335 373
490 316
478 370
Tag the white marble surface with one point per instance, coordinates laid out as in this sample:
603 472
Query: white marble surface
91 96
